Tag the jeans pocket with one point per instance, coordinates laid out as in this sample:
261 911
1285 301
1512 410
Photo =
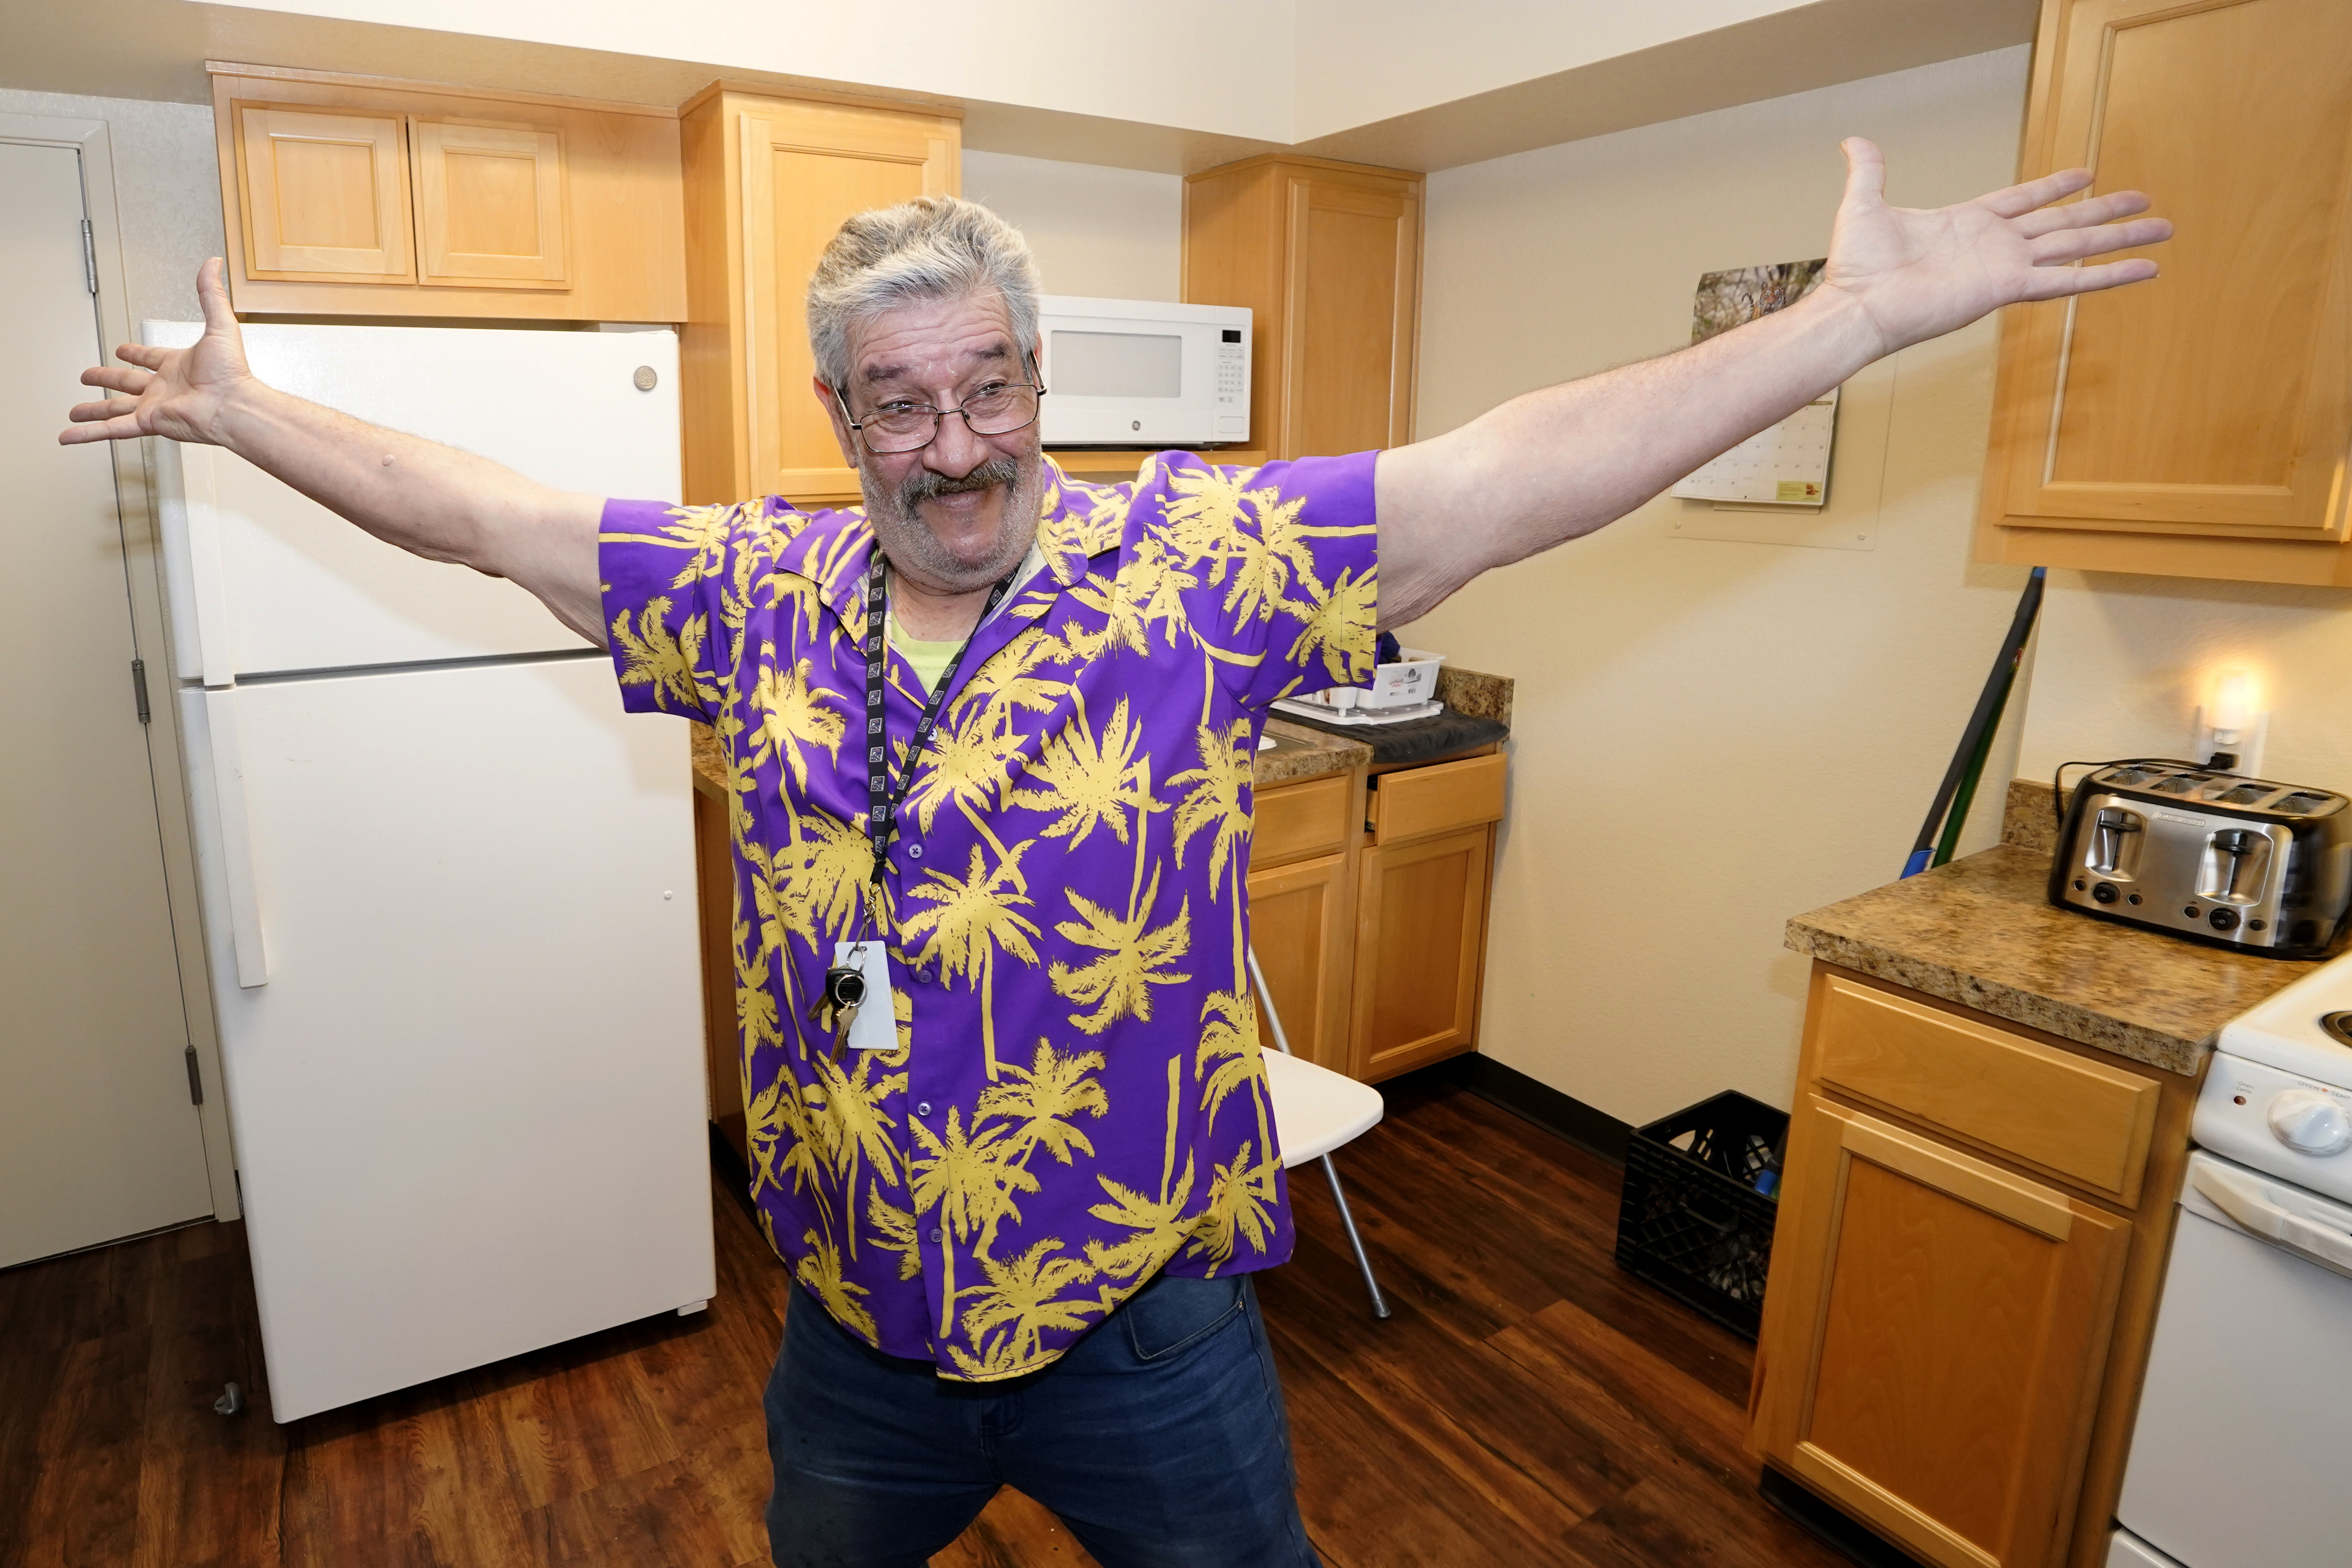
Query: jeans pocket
1172 1313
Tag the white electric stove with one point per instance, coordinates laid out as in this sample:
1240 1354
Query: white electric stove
2240 1451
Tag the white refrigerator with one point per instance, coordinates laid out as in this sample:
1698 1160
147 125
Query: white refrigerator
448 886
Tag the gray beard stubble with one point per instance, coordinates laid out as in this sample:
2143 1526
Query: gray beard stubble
911 546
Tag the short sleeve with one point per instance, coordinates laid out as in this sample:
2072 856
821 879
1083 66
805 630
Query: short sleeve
664 571
1273 568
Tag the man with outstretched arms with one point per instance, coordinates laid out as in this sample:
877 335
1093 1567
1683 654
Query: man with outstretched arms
999 724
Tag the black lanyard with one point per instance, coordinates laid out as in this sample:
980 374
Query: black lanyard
882 797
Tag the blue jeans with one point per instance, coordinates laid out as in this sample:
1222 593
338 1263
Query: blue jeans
1158 1440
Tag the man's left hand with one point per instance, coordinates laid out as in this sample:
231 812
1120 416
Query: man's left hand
1918 274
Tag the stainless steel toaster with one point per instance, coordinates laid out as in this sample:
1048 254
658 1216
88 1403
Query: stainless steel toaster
2261 866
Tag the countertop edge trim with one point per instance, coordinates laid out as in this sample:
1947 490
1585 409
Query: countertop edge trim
2100 1032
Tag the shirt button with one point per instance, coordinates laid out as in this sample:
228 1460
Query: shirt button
935 1233
924 1109
914 851
923 976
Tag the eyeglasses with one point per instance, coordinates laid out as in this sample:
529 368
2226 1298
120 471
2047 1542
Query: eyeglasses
995 408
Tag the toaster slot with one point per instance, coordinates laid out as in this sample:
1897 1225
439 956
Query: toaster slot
2116 835
2234 866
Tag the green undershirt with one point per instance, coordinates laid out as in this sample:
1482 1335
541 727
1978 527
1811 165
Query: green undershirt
930 658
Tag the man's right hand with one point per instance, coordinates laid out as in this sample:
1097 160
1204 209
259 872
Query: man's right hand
177 393
427 498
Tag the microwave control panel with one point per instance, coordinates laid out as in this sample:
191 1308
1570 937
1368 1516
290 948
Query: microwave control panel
1233 383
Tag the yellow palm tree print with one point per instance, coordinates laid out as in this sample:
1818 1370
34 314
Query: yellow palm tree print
970 920
1091 782
1042 1099
1025 1296
670 665
820 1270
791 715
1134 958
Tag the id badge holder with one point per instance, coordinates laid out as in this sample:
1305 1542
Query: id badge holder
876 1028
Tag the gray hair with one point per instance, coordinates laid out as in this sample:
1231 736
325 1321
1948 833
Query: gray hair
934 247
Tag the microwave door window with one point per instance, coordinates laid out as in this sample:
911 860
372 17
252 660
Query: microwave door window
1124 365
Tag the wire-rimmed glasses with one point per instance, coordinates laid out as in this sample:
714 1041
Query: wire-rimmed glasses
993 408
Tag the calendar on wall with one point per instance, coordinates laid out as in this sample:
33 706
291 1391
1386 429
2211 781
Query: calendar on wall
1787 464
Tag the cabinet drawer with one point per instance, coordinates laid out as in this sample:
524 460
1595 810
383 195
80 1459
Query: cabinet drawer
1418 802
1296 820
2078 1119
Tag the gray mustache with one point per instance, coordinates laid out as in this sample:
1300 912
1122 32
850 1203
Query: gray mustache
925 483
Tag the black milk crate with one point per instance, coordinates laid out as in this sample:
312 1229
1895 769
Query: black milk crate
1692 1222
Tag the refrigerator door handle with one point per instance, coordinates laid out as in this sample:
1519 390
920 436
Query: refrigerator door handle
2243 1202
227 773
192 563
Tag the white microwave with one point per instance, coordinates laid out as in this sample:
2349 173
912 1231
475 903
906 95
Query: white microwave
1138 373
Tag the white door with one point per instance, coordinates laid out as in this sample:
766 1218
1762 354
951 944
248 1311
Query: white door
468 1094
99 1139
284 584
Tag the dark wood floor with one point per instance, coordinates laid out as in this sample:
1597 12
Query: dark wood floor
1528 1404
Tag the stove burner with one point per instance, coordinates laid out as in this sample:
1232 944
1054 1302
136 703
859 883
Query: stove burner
2338 1026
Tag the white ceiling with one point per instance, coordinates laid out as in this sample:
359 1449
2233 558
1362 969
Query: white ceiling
1173 85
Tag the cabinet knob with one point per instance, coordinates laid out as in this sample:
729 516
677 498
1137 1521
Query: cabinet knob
645 380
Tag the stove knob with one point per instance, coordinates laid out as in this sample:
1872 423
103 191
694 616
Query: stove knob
2310 1122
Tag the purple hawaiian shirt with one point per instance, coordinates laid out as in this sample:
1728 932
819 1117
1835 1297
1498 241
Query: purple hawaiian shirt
1076 1101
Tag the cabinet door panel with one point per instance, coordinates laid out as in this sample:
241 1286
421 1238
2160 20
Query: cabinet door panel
2214 400
491 204
806 167
1353 258
1933 1335
1421 930
1299 928
325 194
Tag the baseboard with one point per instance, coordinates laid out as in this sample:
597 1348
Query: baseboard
1531 1099
1830 1525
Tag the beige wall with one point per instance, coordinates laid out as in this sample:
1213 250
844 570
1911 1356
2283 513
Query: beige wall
1711 736
1111 233
2124 660
166 184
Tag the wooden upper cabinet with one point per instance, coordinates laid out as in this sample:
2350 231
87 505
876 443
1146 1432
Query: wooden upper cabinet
767 182
355 197
2198 424
326 193
489 203
1933 1340
1328 257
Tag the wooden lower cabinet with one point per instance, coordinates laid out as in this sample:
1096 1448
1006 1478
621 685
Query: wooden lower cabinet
1940 1384
1958 1310
1299 920
1420 950
1367 910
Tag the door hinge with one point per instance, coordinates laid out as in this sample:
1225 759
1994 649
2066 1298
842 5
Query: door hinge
139 690
195 1078
89 257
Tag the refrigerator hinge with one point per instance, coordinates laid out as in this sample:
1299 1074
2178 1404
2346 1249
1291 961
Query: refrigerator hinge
139 690
89 257
195 1078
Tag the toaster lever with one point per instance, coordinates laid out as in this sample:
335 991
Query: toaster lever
2238 845
2108 845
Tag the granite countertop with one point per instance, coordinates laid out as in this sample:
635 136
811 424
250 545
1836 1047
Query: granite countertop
1477 713
1982 932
